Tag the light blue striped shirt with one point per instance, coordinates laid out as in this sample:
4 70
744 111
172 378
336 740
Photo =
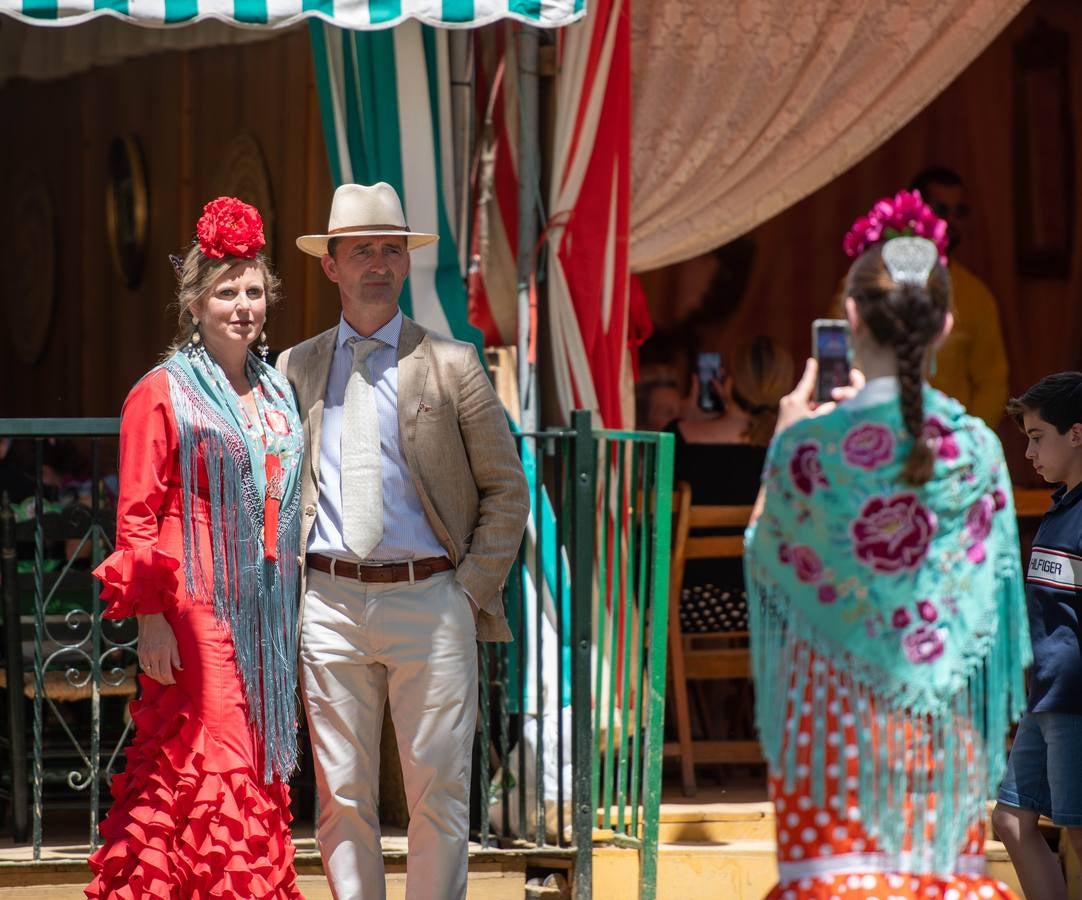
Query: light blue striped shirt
406 532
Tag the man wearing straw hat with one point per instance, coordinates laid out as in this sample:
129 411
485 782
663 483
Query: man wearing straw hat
413 504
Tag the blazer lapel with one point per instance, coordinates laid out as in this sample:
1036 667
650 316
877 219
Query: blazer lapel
412 372
318 371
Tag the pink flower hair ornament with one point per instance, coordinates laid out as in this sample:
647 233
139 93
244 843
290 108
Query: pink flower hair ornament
903 215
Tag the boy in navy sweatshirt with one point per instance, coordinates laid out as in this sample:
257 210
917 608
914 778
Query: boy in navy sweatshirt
1044 772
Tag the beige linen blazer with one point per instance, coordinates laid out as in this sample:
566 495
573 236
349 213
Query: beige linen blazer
458 448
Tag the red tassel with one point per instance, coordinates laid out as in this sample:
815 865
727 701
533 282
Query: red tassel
271 504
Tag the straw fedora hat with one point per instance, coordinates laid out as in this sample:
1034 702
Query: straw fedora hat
361 209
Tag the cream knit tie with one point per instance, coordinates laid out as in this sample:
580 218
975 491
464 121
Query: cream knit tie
362 469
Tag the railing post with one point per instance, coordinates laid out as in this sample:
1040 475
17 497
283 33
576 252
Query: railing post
582 569
20 799
39 639
661 534
95 649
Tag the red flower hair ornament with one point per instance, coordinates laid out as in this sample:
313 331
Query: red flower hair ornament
230 227
903 215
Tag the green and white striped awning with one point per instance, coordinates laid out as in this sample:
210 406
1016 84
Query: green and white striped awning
359 15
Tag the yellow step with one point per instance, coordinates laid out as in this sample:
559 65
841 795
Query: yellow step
314 887
717 823
493 875
735 870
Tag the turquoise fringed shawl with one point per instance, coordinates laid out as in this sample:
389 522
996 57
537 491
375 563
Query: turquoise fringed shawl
255 594
914 597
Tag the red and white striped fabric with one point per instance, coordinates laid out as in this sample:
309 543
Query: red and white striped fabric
493 288
595 309
589 205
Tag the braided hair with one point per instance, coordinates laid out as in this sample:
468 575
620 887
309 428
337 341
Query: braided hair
907 318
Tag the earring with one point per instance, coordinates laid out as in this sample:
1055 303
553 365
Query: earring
196 337
263 348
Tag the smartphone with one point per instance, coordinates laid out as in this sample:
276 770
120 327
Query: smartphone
708 368
830 347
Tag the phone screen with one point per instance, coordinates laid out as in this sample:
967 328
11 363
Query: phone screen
708 366
830 344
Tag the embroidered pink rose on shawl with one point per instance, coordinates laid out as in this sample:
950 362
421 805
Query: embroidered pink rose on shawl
868 446
827 594
900 618
979 518
806 469
277 422
979 526
924 644
941 438
806 564
893 533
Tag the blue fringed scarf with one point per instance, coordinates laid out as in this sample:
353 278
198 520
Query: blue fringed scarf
255 587
912 595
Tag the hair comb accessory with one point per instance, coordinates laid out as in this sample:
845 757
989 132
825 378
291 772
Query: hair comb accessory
910 260
177 262
230 227
903 215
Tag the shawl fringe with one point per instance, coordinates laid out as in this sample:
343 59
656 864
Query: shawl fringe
257 597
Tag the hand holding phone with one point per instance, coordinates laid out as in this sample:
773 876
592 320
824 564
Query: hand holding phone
708 369
830 347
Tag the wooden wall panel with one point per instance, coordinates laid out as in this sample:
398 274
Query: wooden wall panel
185 108
46 145
127 328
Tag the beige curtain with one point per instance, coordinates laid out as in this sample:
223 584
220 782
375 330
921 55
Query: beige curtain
42 52
741 109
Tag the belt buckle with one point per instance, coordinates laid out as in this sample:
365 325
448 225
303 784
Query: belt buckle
380 564
361 566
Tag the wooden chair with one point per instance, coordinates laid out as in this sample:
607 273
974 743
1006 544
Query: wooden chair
704 657
1031 503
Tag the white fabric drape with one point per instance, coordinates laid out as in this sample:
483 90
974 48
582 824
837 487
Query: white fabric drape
30 51
588 284
741 109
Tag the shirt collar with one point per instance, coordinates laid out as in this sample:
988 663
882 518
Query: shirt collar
388 334
878 390
1063 497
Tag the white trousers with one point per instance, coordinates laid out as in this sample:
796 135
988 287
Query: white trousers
414 645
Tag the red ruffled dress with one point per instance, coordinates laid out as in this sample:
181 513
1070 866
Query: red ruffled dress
825 852
192 816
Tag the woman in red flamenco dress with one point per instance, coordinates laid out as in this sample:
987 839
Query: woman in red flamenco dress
207 529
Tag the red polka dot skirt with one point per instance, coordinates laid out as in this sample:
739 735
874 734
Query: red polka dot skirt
825 853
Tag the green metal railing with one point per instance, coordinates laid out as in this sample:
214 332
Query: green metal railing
631 628
588 603
68 538
571 712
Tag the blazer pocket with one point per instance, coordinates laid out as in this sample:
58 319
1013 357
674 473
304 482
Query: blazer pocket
427 413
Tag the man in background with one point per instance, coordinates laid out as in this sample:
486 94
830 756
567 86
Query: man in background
971 365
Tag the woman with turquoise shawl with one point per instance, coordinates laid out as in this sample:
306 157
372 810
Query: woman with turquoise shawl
206 559
887 615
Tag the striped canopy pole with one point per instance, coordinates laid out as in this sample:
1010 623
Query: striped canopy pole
385 101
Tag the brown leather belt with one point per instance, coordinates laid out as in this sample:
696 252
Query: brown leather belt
375 573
